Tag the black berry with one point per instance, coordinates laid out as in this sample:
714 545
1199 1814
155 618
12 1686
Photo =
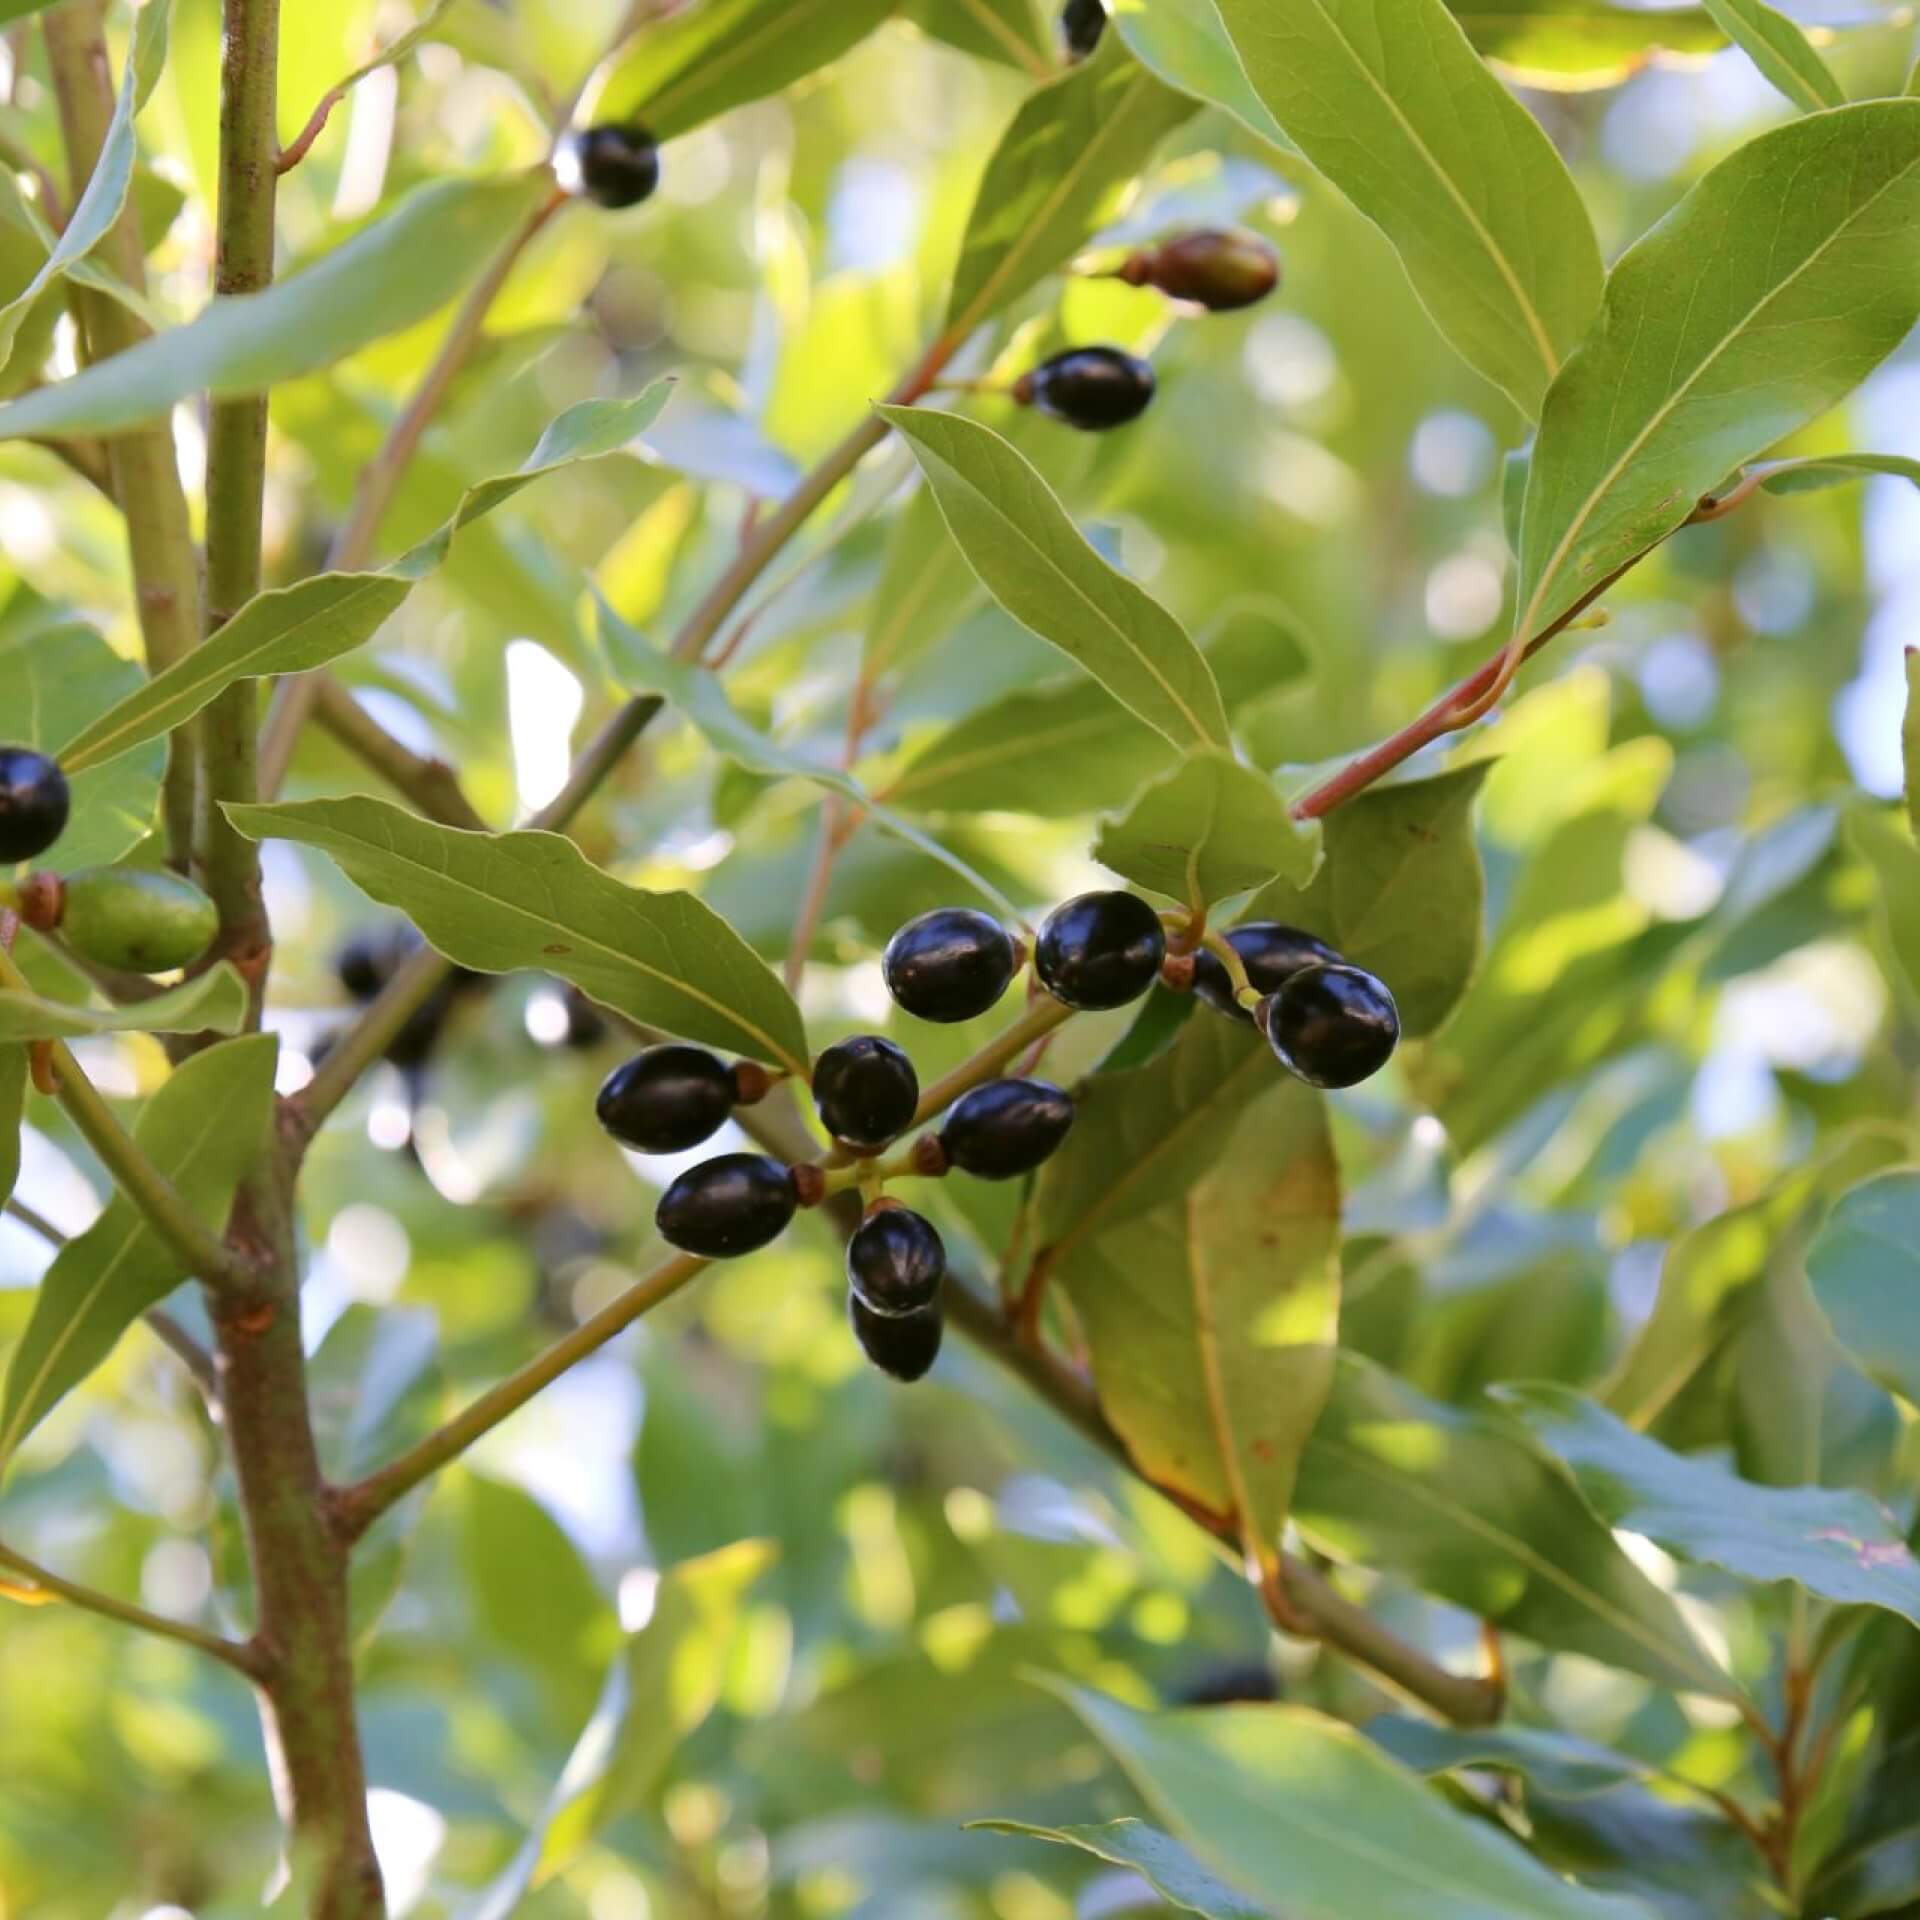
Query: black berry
412 1047
895 1262
866 1091
1100 950
1006 1128
1215 270
1272 955
1092 388
726 1207
1333 1026
951 964
364 965
586 1024
904 1345
612 165
33 803
667 1099
1082 22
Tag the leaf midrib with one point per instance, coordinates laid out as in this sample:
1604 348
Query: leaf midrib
706 66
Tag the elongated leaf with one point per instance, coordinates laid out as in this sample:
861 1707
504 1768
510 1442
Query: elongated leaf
53 683
1910 737
386 279
1210 828
925 592
294 629
1159 1859
1557 1763
1864 1267
1777 285
1576 45
1462 1506
13 1109
203 1129
1031 557
1056 176
1282 1801
1885 841
1390 102
215 1002
1876 1867
1400 892
1185 42
1818 471
1834 1542
1011 32
711 58
502 902
1781 51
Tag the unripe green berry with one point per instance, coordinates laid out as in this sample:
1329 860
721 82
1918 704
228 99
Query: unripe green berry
136 919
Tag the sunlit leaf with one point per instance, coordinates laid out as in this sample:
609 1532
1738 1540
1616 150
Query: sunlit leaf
212 1002
1782 52
1864 1267
1160 1860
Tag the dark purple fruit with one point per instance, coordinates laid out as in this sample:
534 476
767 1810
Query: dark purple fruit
364 965
866 1091
1082 22
905 1345
895 1262
1333 1026
586 1024
33 804
725 1207
1272 955
951 964
1092 388
1006 1128
667 1099
1100 950
1215 270
614 166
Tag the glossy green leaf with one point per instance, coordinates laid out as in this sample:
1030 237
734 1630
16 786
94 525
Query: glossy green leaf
1773 289
1460 1505
385 279
1211 1321
1399 892
1782 52
54 682
682 72
1058 173
925 592
1032 558
1815 472
1864 1267
1159 1859
1012 32
1834 1542
1574 45
1390 102
1210 828
1555 1763
203 1130
1910 737
1185 42
13 1108
212 1002
295 629
500 903
1283 1800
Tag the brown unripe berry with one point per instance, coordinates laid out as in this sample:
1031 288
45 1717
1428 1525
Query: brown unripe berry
1214 269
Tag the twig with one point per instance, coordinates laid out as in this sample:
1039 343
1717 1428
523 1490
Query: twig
430 783
87 458
188 1351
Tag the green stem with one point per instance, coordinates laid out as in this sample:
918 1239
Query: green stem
1224 951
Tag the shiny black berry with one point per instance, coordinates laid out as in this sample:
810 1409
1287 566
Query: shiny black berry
905 1345
1100 950
1092 388
667 1099
1272 955
951 964
722 1208
612 165
895 1262
33 804
1006 1128
1333 1026
866 1091
412 1047
1082 22
1218 271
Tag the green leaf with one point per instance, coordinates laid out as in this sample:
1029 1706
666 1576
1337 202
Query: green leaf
398 48
500 903
1864 1267
1814 472
1781 51
1834 1542
1556 1763
1399 892
385 279
203 1130
1185 42
294 629
1160 1860
1574 45
1009 31
925 592
1773 289
1886 844
1208 829
213 1002
682 72
1460 1505
1390 102
1876 1867
1910 735
53 682
1058 174
1211 1321
13 1110
1280 1800
1032 558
